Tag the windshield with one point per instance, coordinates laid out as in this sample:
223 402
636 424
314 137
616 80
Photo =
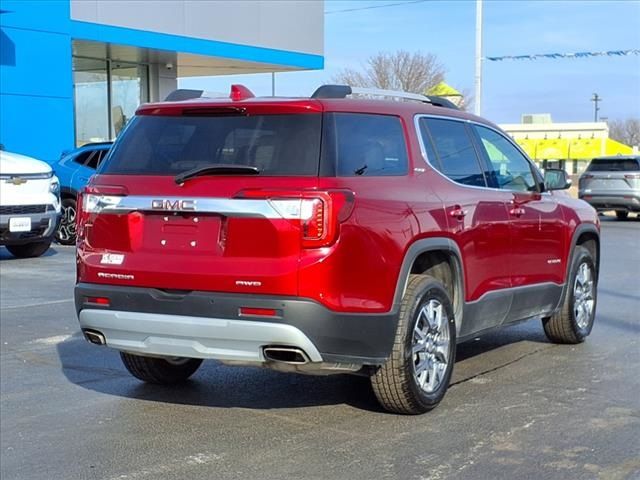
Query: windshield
168 145
614 165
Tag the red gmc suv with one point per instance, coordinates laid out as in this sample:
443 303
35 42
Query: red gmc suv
331 234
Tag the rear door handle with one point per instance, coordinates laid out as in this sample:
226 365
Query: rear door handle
517 211
457 212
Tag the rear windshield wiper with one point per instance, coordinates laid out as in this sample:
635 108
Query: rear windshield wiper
216 169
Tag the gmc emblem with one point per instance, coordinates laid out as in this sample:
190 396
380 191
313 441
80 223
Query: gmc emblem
175 205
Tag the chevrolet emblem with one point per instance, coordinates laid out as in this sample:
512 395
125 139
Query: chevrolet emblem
16 180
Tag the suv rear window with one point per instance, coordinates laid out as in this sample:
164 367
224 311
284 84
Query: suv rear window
167 145
614 165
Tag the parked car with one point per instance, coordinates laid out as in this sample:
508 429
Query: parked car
74 170
29 204
323 235
612 183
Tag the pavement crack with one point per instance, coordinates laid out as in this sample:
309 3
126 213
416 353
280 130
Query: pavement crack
515 360
40 304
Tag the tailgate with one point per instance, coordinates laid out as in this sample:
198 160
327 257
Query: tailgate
205 235
146 224
603 182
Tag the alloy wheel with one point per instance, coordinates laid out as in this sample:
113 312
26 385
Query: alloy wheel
67 229
583 299
430 346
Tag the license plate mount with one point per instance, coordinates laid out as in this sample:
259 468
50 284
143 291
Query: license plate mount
20 224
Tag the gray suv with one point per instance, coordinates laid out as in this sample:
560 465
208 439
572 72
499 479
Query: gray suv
612 183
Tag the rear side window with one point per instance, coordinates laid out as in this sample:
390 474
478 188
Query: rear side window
83 157
94 161
167 145
365 145
614 165
455 155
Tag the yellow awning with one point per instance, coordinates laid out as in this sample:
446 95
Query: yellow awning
585 148
443 90
528 145
613 147
552 149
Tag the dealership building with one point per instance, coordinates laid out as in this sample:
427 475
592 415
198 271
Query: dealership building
74 71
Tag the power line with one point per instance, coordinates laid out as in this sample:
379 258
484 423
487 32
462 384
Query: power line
370 7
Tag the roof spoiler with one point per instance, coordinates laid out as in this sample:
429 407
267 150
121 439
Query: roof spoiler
238 92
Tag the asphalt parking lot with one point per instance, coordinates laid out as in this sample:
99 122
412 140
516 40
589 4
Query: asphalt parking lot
519 407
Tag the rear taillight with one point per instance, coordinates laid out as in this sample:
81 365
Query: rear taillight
586 176
94 199
312 219
319 214
96 203
632 176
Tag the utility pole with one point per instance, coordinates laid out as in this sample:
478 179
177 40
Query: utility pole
478 77
596 99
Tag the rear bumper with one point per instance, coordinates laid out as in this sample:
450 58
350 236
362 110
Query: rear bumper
194 337
43 226
610 201
208 325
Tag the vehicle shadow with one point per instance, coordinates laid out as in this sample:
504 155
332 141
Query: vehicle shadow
613 219
6 256
216 385
529 332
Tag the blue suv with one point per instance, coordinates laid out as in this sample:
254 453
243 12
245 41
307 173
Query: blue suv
74 170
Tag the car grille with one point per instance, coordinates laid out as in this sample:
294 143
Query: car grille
37 232
22 209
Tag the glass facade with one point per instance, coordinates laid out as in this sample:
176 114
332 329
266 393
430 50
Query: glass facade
106 95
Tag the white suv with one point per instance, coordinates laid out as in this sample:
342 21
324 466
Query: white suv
29 204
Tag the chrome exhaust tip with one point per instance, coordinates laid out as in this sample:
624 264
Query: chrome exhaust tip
94 337
288 355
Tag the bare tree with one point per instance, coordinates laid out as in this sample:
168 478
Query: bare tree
625 131
466 101
410 72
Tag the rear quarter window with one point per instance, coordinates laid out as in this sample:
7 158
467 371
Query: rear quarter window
364 145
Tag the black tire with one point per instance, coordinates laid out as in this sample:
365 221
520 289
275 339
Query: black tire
566 325
394 383
622 214
158 370
66 233
29 250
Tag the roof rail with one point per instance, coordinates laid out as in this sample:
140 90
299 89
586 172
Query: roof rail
342 91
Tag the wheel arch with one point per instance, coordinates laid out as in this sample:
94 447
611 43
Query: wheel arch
587 235
439 257
68 192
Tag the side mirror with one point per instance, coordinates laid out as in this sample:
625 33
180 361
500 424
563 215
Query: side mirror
556 179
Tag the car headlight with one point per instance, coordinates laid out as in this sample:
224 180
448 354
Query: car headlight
54 187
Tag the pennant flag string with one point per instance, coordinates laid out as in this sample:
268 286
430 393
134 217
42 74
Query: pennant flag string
611 53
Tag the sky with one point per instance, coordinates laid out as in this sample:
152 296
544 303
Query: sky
561 87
